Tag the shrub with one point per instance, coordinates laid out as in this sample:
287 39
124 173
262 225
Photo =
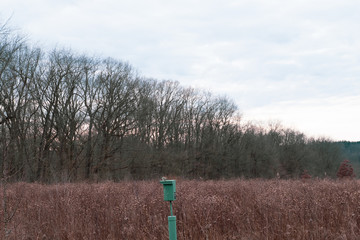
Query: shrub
305 175
345 170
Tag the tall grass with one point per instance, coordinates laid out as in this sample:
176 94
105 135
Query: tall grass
232 209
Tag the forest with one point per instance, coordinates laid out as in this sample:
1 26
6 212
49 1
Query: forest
66 117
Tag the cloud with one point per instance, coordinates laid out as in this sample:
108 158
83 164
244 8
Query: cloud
260 53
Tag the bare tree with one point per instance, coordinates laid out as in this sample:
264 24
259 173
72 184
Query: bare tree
115 114
68 114
90 88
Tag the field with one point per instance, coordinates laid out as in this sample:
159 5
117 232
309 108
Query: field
225 209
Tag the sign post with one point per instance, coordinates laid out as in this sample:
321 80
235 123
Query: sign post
170 195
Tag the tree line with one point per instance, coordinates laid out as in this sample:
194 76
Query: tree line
69 117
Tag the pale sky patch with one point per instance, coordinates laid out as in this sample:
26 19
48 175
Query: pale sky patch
340 114
290 60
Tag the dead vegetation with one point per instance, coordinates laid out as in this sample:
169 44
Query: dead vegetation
232 209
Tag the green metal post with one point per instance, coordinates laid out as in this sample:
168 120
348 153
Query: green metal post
170 195
171 212
172 227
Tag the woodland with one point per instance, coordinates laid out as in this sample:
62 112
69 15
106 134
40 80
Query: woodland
66 117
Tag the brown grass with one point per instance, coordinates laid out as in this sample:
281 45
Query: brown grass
234 209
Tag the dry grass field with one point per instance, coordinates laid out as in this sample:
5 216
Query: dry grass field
231 209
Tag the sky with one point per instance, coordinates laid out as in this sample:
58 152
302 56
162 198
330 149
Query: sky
296 62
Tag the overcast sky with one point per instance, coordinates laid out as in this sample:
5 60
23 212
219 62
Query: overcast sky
293 61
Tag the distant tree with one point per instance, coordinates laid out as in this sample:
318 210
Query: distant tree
293 152
328 156
345 170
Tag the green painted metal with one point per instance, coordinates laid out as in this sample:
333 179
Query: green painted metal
170 195
171 211
169 189
172 227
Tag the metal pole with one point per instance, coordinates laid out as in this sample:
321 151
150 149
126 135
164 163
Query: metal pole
171 211
172 224
172 227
